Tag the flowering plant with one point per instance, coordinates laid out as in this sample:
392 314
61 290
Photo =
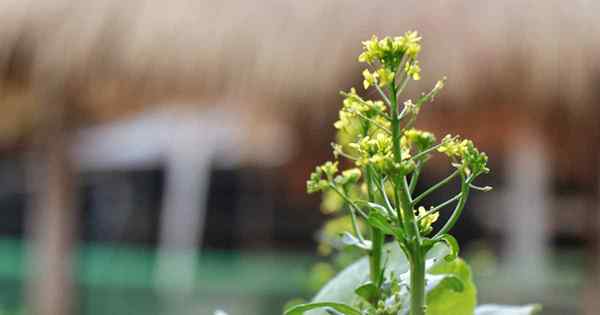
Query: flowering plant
419 272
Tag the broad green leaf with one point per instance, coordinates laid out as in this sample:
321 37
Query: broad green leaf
443 299
341 288
452 244
447 281
343 308
367 291
492 309
434 283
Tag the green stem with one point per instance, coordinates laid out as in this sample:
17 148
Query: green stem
355 226
434 187
402 193
416 254
351 203
377 239
390 208
396 149
464 191
438 207
376 124
415 177
417 281
383 96
426 151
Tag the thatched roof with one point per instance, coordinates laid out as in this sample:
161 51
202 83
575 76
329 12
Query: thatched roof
284 53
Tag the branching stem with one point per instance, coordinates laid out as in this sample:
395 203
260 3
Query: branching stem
464 191
438 207
435 187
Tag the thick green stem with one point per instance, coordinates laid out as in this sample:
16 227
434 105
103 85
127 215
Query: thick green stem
403 200
417 282
402 191
377 239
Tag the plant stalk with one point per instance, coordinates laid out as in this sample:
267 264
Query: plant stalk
417 282
415 255
377 240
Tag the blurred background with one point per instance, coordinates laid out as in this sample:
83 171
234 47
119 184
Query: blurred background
153 154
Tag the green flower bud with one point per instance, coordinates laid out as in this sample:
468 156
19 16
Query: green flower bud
422 140
317 182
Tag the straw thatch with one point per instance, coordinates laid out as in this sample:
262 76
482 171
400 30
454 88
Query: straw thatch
107 53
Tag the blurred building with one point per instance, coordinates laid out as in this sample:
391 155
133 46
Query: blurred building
193 125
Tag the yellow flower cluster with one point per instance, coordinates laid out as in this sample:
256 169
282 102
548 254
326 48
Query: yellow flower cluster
453 147
413 70
389 53
470 159
381 77
319 179
376 151
388 49
420 139
426 220
354 106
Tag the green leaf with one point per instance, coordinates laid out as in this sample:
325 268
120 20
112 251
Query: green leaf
379 221
343 308
452 244
434 284
444 299
491 309
367 291
341 288
349 239
445 281
378 207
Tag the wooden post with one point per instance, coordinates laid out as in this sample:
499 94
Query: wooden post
51 216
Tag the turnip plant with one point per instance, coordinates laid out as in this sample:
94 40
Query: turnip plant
410 267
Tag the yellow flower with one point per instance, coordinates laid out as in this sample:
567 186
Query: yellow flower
389 51
413 69
370 50
385 76
370 78
411 44
344 120
453 147
426 220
